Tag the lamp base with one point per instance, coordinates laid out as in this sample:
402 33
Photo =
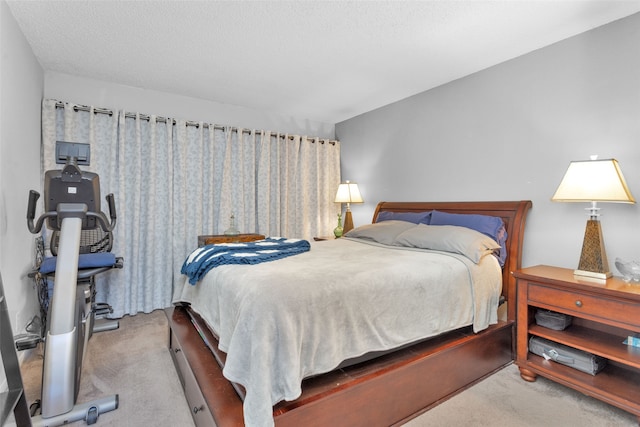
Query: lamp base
348 222
593 259
592 275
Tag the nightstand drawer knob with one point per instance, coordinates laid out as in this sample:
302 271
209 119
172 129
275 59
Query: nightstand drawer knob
578 303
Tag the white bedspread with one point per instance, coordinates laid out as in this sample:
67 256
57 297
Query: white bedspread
285 320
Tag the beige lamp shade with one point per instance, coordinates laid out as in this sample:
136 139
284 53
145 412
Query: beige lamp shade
348 192
593 181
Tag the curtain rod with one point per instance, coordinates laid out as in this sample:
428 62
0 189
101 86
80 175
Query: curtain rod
76 108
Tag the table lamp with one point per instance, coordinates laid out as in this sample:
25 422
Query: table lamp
593 181
348 193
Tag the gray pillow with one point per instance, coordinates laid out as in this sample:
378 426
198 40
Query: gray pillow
384 232
448 238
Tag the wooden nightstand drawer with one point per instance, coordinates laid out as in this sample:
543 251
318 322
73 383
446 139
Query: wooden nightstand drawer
598 308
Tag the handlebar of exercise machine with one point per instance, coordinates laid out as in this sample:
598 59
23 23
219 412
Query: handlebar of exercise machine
101 218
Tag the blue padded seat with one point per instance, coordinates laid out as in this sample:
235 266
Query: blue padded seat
95 260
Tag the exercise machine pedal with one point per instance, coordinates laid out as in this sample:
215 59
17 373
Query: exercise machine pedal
26 341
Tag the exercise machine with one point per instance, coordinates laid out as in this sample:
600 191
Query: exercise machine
72 210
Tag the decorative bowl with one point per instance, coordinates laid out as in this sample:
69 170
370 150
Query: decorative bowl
630 270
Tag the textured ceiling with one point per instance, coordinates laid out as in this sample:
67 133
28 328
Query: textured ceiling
325 61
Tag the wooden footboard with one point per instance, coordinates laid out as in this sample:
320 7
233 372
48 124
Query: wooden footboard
386 391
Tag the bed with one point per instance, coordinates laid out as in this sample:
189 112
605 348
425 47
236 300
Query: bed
335 367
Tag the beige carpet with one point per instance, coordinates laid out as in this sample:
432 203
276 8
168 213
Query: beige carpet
135 363
504 399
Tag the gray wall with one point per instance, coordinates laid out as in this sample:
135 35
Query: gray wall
509 133
21 88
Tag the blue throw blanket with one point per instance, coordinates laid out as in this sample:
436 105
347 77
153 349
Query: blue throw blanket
203 259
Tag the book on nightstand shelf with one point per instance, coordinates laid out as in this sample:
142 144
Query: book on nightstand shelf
633 340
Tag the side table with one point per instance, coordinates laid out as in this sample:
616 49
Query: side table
604 314
210 239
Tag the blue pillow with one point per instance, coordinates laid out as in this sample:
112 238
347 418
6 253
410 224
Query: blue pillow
414 217
491 226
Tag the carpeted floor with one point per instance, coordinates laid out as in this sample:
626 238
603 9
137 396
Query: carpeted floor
504 399
134 362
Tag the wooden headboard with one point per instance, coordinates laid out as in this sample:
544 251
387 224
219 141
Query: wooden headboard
512 213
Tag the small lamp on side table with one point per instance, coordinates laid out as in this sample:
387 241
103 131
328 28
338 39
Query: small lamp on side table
348 193
593 181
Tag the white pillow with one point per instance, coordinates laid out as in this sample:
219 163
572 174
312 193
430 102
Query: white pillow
448 238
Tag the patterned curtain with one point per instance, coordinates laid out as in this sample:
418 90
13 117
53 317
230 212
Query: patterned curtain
174 180
144 230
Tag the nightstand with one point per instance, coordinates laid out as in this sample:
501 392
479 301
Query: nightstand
223 238
604 314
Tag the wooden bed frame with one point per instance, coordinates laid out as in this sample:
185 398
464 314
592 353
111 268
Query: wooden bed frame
388 390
